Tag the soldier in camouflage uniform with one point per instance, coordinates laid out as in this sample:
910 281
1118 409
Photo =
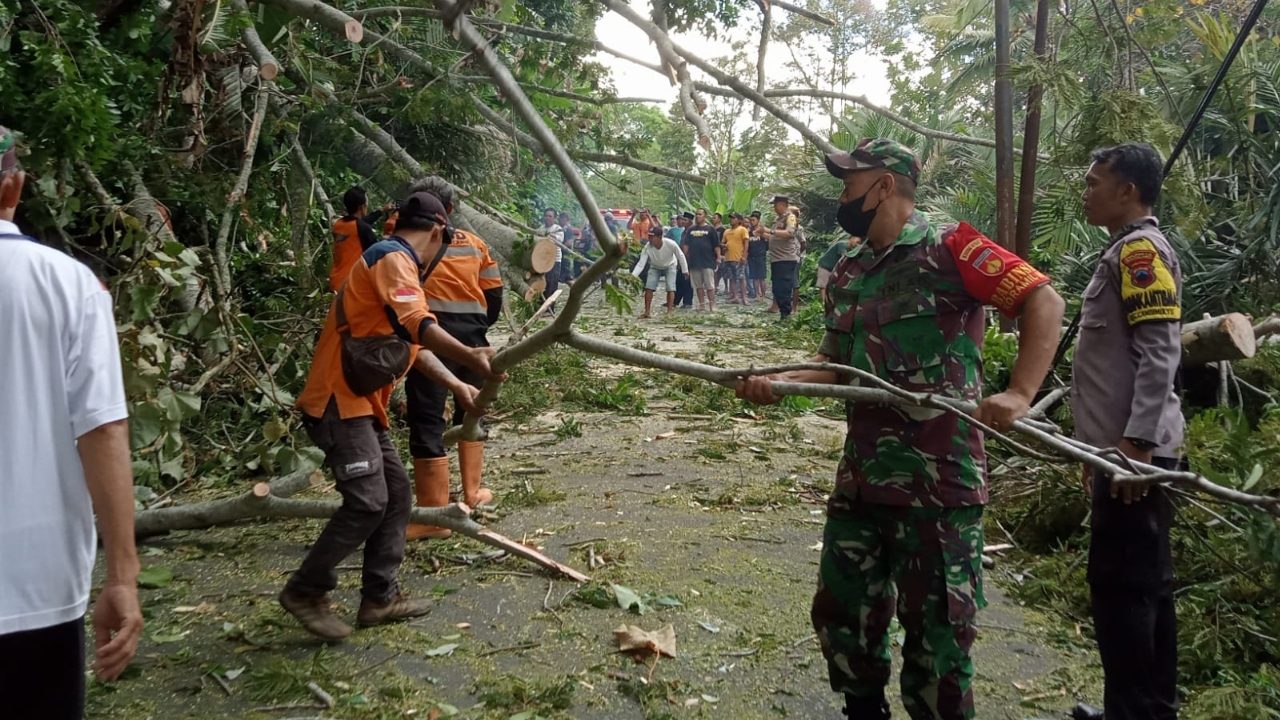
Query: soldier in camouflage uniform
904 526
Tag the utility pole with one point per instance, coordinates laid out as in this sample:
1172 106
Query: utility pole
1031 139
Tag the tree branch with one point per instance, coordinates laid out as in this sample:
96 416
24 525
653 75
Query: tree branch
676 69
1065 447
663 40
222 267
820 19
512 28
268 67
270 499
300 156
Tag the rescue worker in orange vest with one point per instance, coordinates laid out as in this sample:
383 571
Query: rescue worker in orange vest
352 234
465 293
382 297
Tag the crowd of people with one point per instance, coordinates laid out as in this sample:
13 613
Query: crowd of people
703 260
904 528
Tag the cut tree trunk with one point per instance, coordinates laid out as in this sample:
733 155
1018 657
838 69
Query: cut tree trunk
270 499
537 286
1226 337
540 257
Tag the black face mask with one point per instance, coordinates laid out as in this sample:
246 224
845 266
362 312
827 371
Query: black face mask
853 216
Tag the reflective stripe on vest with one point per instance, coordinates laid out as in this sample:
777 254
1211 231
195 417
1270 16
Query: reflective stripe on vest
457 307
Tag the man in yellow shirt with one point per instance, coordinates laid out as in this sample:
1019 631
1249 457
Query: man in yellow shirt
735 259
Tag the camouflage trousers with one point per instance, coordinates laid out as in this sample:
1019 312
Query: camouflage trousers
925 565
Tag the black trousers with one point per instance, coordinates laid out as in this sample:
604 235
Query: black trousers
42 672
376 500
684 290
784 284
552 277
1131 583
427 422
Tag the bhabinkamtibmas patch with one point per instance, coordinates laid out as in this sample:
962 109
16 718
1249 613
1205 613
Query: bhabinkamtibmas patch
1147 288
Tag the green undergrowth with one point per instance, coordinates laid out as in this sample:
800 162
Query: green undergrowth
1226 559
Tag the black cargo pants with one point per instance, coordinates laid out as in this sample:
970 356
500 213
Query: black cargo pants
376 500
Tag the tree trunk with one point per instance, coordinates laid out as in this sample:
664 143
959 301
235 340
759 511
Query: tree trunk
1227 337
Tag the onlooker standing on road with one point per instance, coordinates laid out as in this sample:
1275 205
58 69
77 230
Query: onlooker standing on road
784 253
757 257
684 284
1122 396
735 259
702 247
556 233
572 236
65 457
665 262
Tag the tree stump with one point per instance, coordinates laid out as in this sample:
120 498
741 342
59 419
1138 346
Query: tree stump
1227 337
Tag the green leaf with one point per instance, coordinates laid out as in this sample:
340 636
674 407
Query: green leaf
274 429
628 599
443 650
446 710
668 601
168 637
155 577
145 425
1254 476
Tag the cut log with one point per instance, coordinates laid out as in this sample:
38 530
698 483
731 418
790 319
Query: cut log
267 500
537 286
1267 328
1227 337
537 258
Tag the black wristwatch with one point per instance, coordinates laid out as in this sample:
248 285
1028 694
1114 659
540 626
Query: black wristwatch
1141 444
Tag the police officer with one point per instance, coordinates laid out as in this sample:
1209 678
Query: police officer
1122 396
904 525
784 253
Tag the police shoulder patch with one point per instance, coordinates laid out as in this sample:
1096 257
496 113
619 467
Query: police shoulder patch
1147 287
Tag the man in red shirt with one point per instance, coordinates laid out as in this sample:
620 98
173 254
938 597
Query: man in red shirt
382 296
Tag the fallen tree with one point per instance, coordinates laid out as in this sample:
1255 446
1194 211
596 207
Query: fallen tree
273 499
1226 337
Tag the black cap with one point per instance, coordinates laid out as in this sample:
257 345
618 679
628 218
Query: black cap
781 199
656 230
424 206
687 215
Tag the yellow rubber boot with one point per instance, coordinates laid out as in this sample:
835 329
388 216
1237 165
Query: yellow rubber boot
431 487
471 462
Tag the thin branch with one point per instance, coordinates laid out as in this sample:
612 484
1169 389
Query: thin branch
821 19
662 39
268 66
576 40
1143 51
528 141
221 270
766 29
1066 447
676 69
466 33
300 156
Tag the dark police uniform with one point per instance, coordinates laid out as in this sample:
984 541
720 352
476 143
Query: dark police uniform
1123 387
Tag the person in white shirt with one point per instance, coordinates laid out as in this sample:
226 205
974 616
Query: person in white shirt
662 256
556 233
65 454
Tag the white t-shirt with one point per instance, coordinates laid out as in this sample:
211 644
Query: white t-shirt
556 233
60 378
661 258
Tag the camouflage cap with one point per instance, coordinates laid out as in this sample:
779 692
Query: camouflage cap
8 149
875 153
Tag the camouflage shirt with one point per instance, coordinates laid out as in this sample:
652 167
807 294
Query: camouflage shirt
914 316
